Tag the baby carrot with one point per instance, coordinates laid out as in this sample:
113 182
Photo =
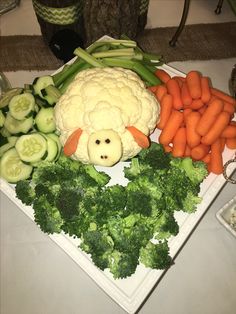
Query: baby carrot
216 163
185 95
160 92
202 109
162 75
222 141
197 104
179 142
230 143
207 158
187 152
186 112
153 88
223 96
229 131
206 92
200 151
209 116
171 127
167 148
140 138
193 80
193 138
174 90
166 108
178 80
216 129
229 107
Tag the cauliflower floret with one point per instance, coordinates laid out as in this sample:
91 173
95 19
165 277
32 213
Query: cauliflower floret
109 99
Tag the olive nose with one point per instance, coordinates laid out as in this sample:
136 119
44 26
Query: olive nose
103 156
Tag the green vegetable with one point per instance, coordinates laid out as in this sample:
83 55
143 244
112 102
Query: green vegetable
119 226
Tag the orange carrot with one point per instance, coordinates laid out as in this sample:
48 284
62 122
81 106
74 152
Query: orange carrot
230 143
185 95
153 88
193 80
179 142
174 90
171 127
209 116
222 141
196 104
187 152
200 151
229 107
178 80
229 131
217 128
72 142
202 109
193 138
162 75
206 92
207 158
186 112
140 138
167 148
160 92
223 96
216 163
166 108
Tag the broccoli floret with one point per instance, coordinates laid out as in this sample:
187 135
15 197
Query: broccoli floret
136 168
99 245
47 216
155 157
196 171
68 201
122 264
156 255
100 177
165 225
25 192
190 202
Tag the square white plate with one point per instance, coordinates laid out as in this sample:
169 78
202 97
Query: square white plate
130 293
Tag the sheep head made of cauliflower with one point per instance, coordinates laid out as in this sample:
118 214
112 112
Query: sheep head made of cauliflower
105 116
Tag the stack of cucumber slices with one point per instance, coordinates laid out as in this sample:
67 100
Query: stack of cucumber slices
27 129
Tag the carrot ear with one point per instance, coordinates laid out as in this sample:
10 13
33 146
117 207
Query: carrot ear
141 139
72 143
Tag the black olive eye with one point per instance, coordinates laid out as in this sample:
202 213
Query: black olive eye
107 140
97 142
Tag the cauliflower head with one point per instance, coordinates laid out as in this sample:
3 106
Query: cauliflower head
103 103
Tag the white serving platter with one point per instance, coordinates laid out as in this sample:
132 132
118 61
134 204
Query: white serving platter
131 293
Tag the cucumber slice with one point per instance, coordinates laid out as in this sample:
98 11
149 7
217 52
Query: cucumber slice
42 82
31 147
6 97
44 120
4 132
2 119
56 139
52 149
51 94
18 126
22 106
12 169
9 143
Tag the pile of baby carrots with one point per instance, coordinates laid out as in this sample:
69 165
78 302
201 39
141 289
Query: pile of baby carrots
196 119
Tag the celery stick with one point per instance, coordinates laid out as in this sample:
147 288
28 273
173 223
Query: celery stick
116 42
88 58
114 53
136 66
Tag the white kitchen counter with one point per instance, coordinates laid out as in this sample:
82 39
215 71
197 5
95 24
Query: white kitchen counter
38 277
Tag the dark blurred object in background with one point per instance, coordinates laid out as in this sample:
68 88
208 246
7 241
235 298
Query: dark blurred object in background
8 5
63 44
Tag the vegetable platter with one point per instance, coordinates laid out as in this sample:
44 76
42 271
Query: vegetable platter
131 292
